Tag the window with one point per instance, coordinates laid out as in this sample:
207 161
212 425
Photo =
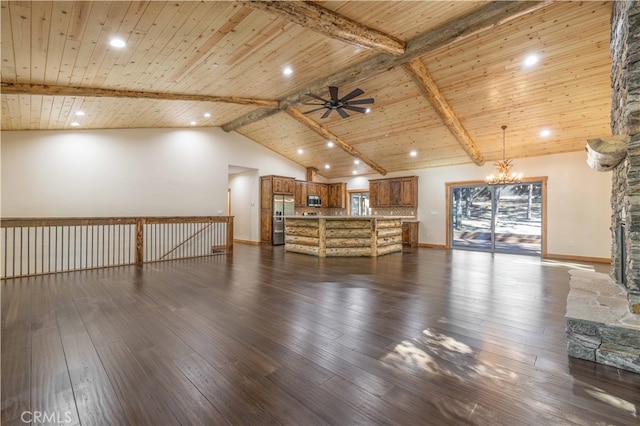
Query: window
359 203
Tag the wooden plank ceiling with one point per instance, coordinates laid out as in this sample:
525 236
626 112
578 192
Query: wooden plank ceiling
445 76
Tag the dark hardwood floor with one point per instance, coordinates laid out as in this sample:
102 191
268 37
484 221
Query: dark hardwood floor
426 337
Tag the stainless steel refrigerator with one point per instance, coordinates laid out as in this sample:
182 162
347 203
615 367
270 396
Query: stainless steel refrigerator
283 205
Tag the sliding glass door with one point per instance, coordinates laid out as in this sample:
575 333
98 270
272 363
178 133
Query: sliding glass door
472 213
504 218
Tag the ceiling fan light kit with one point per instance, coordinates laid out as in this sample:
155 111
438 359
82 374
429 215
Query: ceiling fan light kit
334 103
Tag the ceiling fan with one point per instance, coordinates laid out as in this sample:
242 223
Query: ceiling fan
340 104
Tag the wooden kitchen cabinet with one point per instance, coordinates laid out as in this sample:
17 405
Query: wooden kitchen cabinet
373 193
331 194
323 190
266 192
410 191
410 233
337 195
394 192
300 194
266 226
283 185
313 188
266 209
383 194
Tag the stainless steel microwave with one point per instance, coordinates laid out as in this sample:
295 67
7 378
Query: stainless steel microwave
313 201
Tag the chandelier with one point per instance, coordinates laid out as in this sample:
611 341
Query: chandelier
504 175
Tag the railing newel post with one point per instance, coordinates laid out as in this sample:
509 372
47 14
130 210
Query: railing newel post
229 234
140 241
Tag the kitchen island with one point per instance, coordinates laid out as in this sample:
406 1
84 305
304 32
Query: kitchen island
332 236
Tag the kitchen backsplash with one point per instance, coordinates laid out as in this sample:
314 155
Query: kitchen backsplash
320 211
382 211
394 211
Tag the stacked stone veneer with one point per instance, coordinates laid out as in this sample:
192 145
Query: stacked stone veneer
599 325
625 119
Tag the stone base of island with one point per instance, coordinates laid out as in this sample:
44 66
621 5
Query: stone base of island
329 236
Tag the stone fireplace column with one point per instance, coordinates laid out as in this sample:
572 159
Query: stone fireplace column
625 120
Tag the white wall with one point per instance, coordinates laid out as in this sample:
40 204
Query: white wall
129 172
578 201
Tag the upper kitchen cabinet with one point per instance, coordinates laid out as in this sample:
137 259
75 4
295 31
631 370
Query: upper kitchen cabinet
410 191
331 195
319 189
394 192
313 188
379 193
283 185
301 193
324 194
337 195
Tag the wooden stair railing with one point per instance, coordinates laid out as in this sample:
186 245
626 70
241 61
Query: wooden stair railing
37 246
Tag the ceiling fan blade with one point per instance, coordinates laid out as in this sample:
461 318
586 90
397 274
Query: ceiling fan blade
313 110
361 101
342 113
333 90
326 114
353 94
312 103
354 108
316 96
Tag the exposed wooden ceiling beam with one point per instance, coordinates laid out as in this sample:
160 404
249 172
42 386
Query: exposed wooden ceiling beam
317 18
325 133
47 90
429 88
487 17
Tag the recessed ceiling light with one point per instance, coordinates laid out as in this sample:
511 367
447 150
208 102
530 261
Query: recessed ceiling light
207 115
80 113
545 133
531 60
355 172
287 71
326 166
330 144
413 153
75 124
356 162
300 151
118 43
367 111
193 123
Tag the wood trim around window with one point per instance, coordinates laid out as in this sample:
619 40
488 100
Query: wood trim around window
348 201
